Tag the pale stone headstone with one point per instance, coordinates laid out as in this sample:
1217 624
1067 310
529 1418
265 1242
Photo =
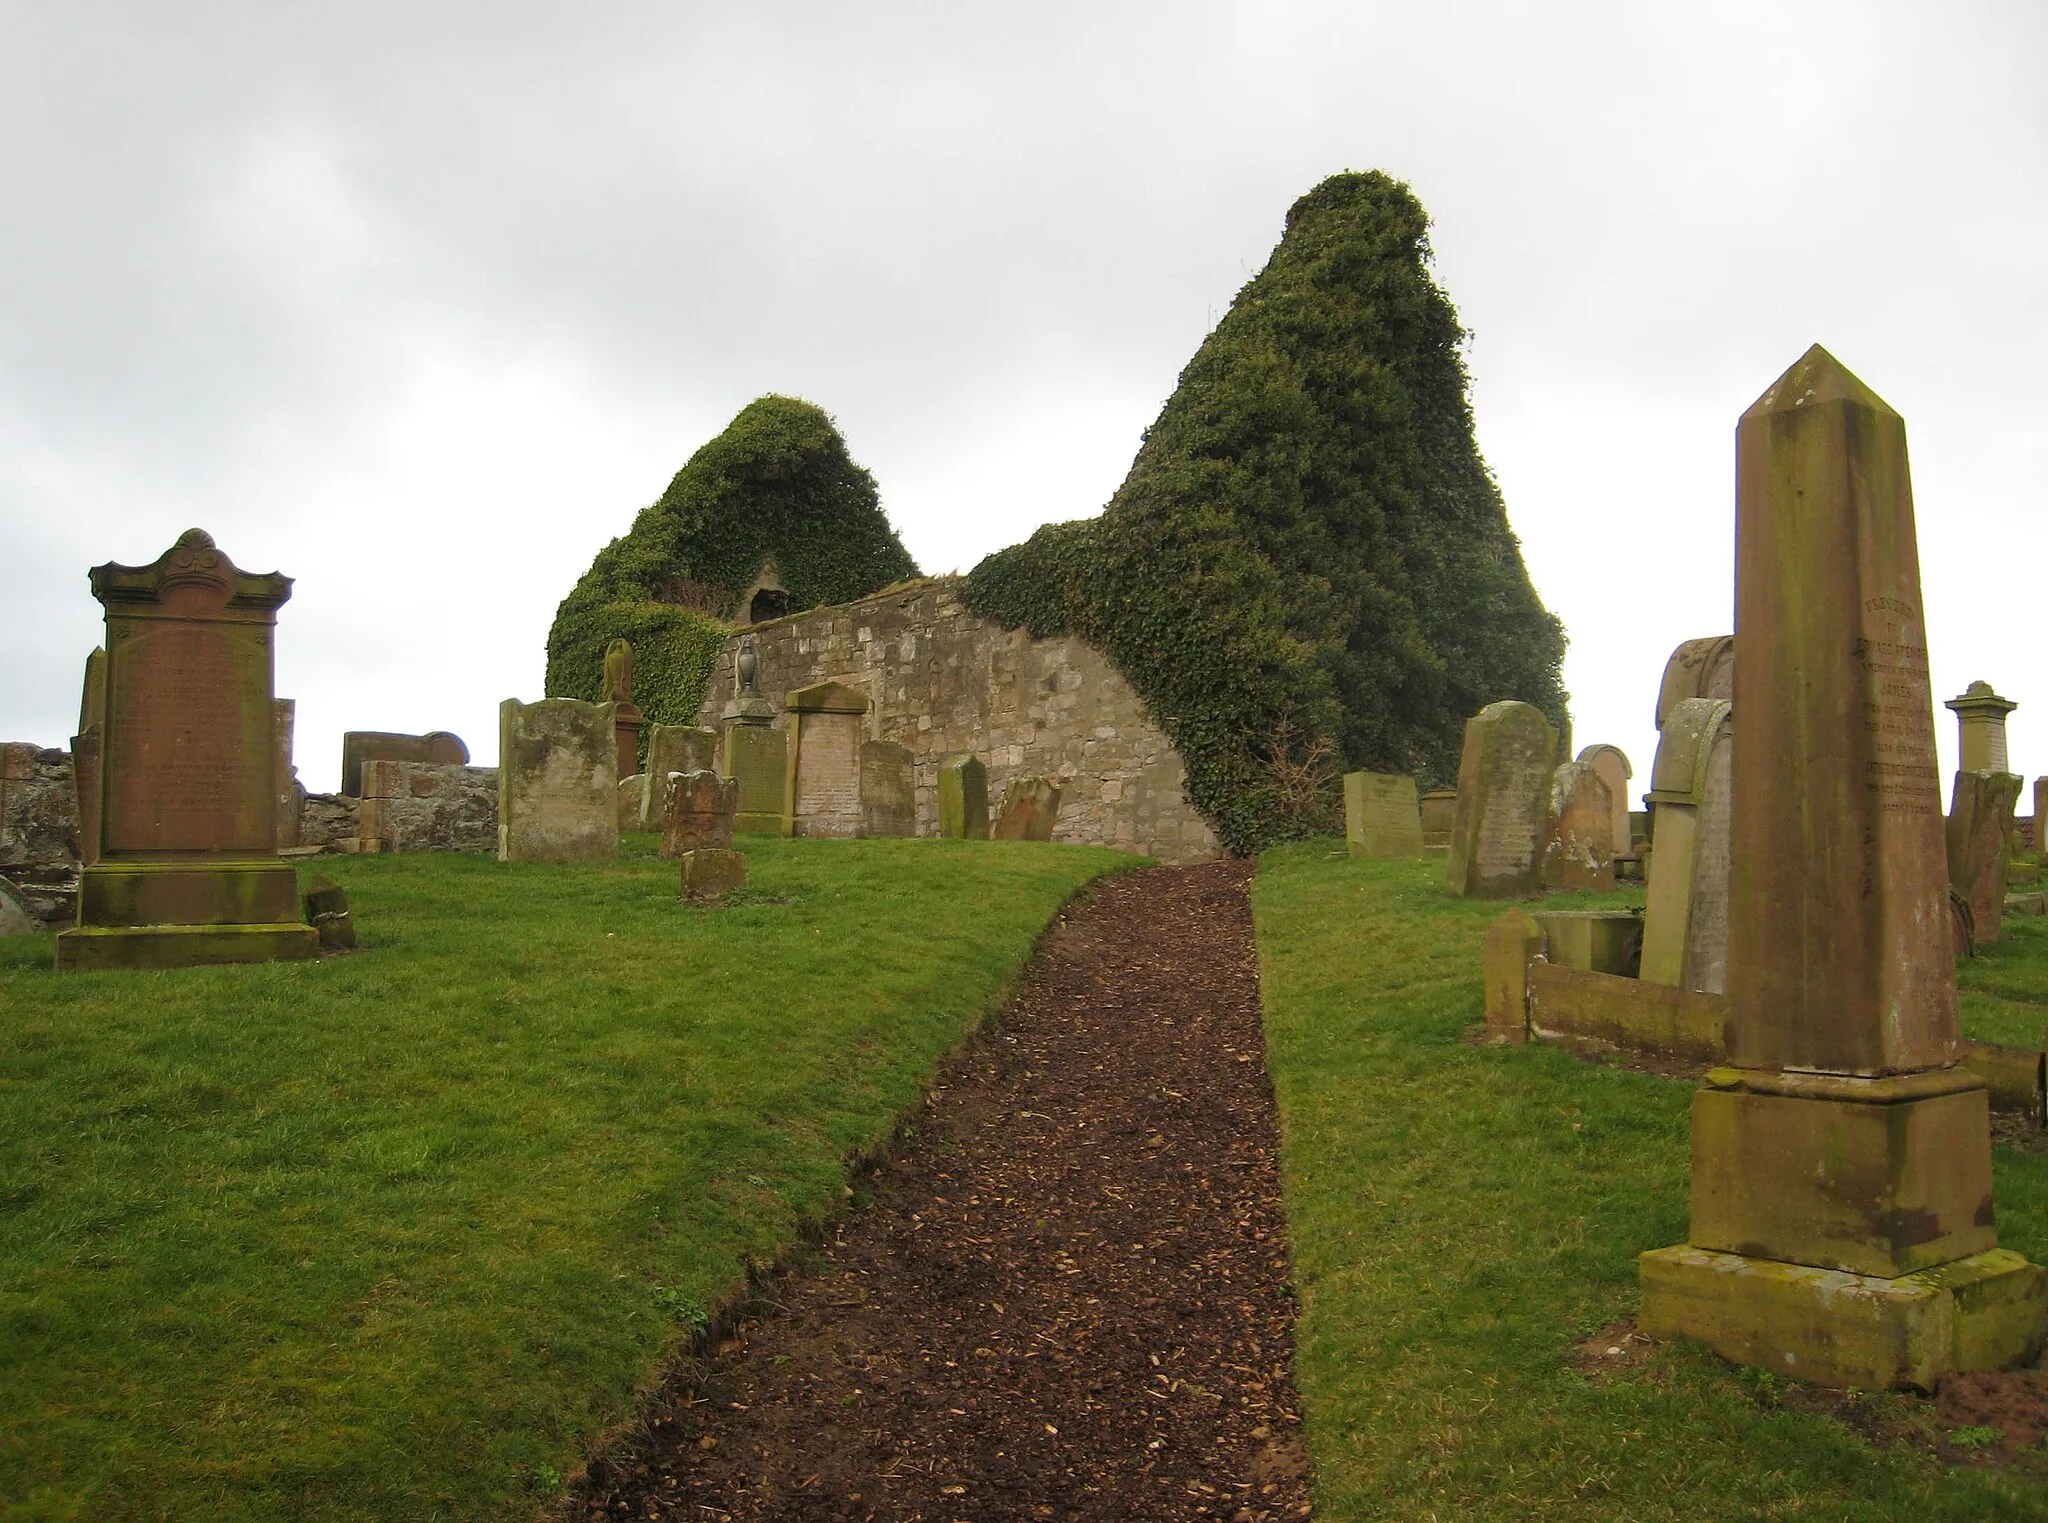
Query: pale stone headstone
1503 819
1611 762
1685 918
1840 1153
825 723
757 759
188 870
632 794
963 798
558 786
1439 817
1382 815
1580 851
1979 857
1980 717
888 798
1031 806
1697 669
702 807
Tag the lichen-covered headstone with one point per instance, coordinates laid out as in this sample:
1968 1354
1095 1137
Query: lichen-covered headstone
1031 806
672 748
1979 857
1685 917
558 794
757 759
15 919
963 798
825 722
1382 816
1439 817
1611 762
701 810
1580 851
710 874
632 793
326 908
888 797
1697 669
1842 1221
1503 819
188 870
1512 943
438 748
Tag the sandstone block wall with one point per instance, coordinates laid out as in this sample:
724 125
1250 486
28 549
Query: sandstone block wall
39 830
940 680
419 806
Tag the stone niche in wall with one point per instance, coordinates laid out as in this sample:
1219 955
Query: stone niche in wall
940 680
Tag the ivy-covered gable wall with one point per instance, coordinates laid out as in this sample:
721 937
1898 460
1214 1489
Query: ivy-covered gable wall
776 487
1309 566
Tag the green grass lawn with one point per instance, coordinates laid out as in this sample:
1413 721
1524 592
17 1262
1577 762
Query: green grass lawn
395 1235
1462 1215
2005 986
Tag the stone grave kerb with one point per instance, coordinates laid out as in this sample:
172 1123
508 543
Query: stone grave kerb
1980 717
1842 1223
187 869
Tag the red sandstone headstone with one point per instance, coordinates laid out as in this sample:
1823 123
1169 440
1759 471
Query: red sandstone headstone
188 869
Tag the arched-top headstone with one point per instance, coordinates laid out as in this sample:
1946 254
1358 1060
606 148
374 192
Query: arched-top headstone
1611 762
1685 918
1697 669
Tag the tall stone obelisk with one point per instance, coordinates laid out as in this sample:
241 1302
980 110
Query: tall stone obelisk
1842 1223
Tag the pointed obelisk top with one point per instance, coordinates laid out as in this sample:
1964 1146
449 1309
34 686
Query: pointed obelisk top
1816 377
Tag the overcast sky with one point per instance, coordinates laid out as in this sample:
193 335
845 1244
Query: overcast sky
420 303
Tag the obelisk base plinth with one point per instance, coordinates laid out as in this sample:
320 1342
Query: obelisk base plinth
178 914
1984 1312
1842 1231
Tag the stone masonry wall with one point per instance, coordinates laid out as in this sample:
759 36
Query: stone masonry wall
940 680
39 831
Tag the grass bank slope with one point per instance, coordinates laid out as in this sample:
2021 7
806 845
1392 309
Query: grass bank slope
390 1236
1463 1215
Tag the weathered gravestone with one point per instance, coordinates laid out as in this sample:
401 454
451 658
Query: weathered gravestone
1382 816
1611 762
85 754
437 748
1439 817
1979 850
188 870
1580 850
15 919
557 781
1685 918
290 796
2041 814
710 874
1842 1223
632 797
1031 807
701 811
618 692
1697 669
757 758
963 798
672 749
888 795
1503 819
1980 718
825 723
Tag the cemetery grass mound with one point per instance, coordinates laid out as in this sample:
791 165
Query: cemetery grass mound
1465 1221
400 1234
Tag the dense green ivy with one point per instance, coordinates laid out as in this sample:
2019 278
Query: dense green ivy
777 485
1309 565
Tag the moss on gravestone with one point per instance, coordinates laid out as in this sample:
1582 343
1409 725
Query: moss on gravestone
1309 568
778 486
